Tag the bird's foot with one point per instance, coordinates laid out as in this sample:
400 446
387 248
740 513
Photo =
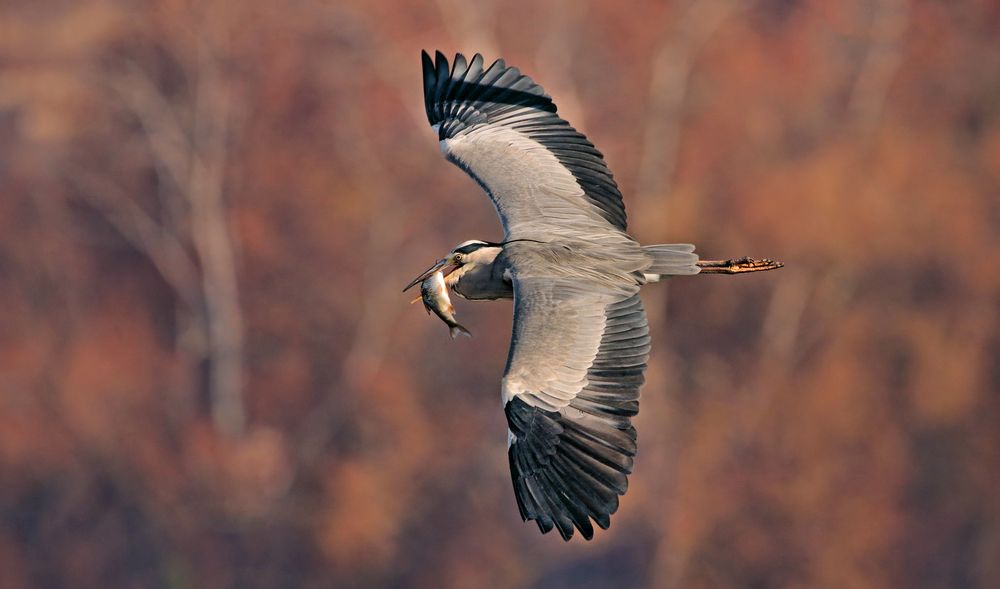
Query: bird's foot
738 265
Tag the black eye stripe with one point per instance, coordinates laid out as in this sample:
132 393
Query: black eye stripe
471 247
468 249
477 245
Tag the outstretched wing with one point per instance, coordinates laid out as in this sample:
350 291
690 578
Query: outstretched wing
543 176
577 357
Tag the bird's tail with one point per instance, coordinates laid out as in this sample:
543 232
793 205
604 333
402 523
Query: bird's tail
671 259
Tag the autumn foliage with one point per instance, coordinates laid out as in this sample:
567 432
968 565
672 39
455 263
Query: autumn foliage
209 377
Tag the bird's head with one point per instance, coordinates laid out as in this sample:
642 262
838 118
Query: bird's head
466 256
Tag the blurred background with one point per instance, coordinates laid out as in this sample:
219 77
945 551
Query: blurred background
209 376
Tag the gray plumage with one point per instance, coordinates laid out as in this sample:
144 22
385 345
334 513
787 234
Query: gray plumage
580 340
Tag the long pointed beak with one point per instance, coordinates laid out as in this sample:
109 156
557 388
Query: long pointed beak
426 273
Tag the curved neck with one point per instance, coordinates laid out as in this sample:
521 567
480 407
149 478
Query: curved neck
482 277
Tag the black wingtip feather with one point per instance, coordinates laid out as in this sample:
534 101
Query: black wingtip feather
459 69
443 79
430 80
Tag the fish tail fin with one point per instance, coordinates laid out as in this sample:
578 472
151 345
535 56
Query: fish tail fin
457 329
416 299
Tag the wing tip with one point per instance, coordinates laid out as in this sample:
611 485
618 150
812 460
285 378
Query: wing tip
430 81
568 529
443 80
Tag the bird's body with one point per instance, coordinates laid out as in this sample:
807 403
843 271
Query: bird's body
580 340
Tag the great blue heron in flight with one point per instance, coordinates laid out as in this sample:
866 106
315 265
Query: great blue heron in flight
580 339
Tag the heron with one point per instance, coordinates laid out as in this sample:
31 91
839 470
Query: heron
580 339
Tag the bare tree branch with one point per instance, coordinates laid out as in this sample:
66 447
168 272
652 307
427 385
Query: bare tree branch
471 24
890 19
672 66
190 159
164 131
164 250
214 245
556 54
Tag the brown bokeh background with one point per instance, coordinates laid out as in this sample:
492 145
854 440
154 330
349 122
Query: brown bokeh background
209 377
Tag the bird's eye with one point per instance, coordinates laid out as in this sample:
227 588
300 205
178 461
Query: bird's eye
457 258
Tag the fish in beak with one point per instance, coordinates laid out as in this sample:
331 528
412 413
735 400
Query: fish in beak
434 294
444 264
